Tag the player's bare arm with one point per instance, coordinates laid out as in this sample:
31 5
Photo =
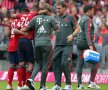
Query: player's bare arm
43 12
16 31
14 16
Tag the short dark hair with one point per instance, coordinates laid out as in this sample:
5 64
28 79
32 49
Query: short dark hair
62 3
87 7
24 10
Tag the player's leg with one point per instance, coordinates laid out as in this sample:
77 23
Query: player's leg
28 74
30 81
21 71
13 58
30 58
37 67
94 69
80 65
46 63
29 70
66 65
57 55
26 54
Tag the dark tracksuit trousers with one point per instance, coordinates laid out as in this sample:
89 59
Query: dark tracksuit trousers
62 62
43 56
80 65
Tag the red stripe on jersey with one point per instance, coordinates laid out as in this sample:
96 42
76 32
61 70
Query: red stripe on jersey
89 33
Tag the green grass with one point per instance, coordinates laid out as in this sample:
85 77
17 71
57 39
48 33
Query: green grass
3 85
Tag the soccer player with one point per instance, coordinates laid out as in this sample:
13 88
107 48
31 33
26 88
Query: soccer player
25 47
85 41
13 51
63 46
42 24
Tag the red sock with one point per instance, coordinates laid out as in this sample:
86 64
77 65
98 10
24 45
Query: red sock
24 76
20 72
10 75
28 74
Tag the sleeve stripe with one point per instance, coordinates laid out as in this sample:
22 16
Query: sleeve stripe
89 36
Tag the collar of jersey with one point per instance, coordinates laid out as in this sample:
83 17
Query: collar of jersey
63 15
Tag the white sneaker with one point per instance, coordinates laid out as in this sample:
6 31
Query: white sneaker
81 87
43 88
9 87
30 83
19 88
56 87
93 85
25 87
68 87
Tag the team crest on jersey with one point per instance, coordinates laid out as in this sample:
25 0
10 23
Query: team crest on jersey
66 19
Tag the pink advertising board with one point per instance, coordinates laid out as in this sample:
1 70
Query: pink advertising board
100 78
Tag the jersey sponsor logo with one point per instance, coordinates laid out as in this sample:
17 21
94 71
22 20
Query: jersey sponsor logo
41 29
39 20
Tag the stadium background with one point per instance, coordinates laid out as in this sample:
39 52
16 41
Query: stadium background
7 7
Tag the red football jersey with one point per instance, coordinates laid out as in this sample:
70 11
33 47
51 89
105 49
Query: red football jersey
13 43
25 19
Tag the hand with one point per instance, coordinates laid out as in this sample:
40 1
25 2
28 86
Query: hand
57 30
14 29
91 48
26 34
70 38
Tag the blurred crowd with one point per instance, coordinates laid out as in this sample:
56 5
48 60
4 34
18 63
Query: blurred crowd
74 7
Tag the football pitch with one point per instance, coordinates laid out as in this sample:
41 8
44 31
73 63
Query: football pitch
3 85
